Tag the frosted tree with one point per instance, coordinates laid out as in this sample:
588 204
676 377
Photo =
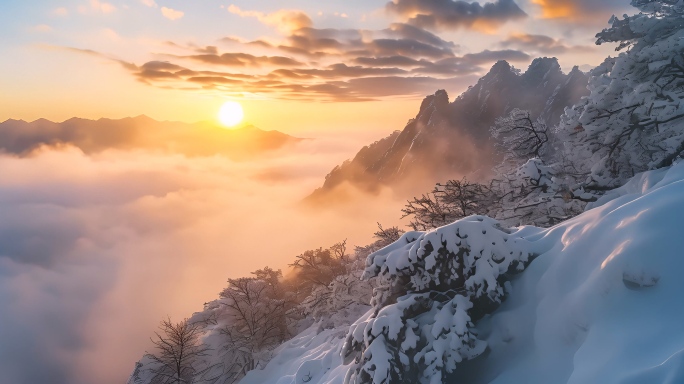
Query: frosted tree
521 137
178 353
253 320
319 267
631 121
433 287
449 202
346 292
533 184
344 295
243 326
383 237
537 184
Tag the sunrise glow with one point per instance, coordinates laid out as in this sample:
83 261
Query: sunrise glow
231 113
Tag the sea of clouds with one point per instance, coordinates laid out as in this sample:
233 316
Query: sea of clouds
96 249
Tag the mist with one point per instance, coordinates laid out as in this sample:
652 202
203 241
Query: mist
95 249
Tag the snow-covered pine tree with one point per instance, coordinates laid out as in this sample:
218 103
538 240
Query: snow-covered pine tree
433 287
632 119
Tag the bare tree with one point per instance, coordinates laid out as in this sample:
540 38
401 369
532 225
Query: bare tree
178 350
269 275
389 235
520 137
318 267
255 321
449 202
383 237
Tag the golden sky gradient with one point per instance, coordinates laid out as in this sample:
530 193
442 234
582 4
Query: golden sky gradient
339 65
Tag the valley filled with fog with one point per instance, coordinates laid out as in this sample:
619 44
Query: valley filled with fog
103 246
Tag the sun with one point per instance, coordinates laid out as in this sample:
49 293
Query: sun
231 113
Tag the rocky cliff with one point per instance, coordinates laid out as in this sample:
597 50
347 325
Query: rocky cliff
423 152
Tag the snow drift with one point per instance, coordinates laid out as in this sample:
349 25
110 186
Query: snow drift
600 302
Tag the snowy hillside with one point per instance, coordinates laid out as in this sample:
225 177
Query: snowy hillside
599 304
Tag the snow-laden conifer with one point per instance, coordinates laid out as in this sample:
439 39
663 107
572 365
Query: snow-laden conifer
433 287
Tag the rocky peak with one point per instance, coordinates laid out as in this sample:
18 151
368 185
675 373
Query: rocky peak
452 139
501 66
439 102
543 65
541 71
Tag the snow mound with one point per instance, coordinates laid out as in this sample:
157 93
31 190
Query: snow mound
601 303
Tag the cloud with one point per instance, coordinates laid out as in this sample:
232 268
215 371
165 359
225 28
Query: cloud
542 44
579 11
61 11
90 52
111 34
102 6
337 82
488 56
243 59
399 39
96 249
171 14
42 28
149 3
466 64
390 61
387 47
418 34
284 20
385 63
455 14
322 64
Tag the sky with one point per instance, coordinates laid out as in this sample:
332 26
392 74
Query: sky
97 246
361 63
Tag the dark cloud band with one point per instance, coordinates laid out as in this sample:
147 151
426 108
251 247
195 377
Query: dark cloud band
450 14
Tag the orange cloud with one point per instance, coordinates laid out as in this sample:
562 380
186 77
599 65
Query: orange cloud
284 20
580 11
557 9
171 14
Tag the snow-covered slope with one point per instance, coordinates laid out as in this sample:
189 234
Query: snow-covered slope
602 303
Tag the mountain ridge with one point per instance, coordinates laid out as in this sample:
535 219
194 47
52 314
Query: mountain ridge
22 138
421 154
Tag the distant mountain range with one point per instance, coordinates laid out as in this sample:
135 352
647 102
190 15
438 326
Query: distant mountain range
21 138
451 139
